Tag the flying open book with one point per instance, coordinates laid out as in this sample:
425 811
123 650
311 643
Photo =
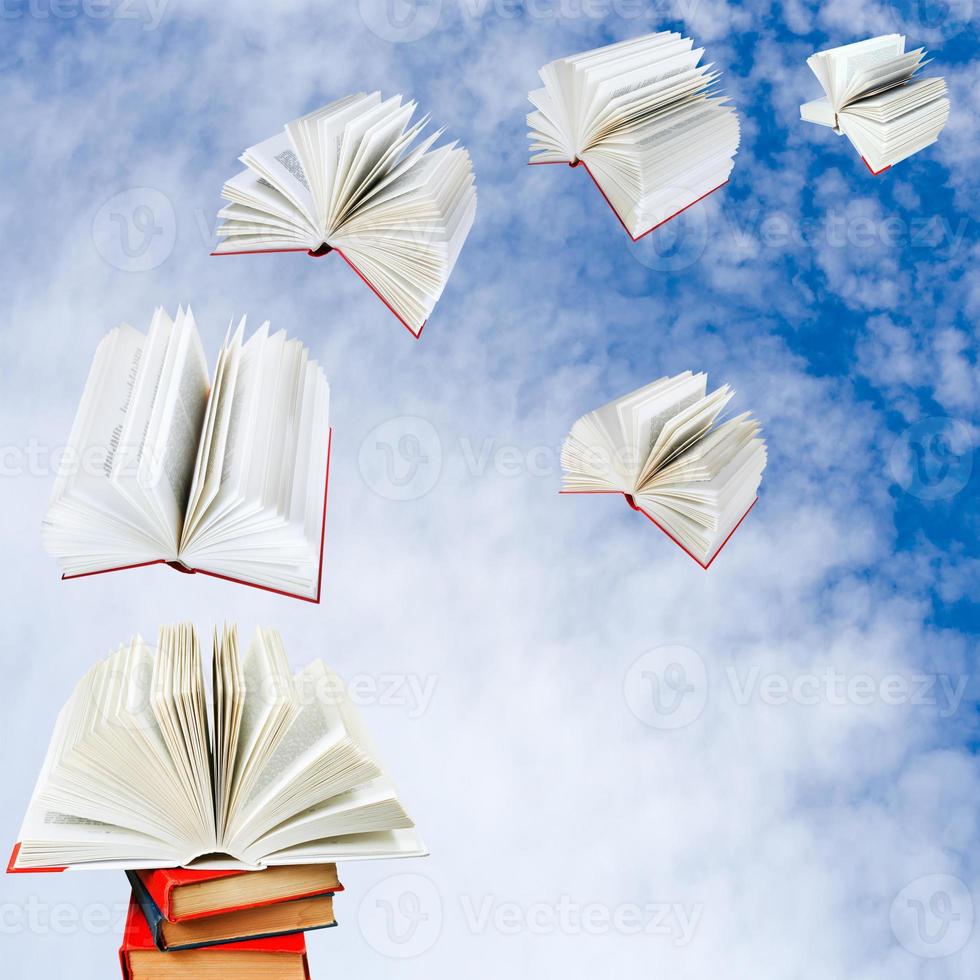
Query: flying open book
227 478
350 178
663 447
644 118
872 100
140 774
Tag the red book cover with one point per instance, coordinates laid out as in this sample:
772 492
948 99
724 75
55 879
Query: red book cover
228 578
633 504
545 163
138 940
11 870
161 884
876 172
318 254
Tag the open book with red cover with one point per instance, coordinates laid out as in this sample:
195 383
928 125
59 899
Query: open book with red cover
141 772
276 958
349 178
227 477
873 98
645 120
664 448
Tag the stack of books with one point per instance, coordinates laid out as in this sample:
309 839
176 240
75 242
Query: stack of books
217 924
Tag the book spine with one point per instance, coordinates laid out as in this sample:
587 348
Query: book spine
151 911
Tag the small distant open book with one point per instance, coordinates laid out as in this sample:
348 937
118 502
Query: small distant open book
228 477
141 774
872 100
663 447
350 178
644 118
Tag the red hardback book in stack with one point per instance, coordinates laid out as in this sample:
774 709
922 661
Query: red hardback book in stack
277 958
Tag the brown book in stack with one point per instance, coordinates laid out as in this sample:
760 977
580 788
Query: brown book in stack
203 924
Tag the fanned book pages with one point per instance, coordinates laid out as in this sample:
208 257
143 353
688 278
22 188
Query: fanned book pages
644 118
226 477
664 448
141 774
352 178
873 101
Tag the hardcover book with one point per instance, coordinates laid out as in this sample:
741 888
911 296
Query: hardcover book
279 958
225 477
645 120
871 99
350 178
140 774
182 895
262 922
664 448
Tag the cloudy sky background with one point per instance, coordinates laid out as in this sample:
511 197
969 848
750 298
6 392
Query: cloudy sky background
806 805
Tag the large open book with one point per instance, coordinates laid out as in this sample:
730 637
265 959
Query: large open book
664 448
871 99
227 478
644 118
141 774
351 178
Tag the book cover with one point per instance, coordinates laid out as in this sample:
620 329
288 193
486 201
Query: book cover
278 958
165 886
235 925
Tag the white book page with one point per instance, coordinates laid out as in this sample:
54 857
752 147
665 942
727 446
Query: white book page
275 160
167 463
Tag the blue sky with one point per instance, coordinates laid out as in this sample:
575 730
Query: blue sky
796 834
